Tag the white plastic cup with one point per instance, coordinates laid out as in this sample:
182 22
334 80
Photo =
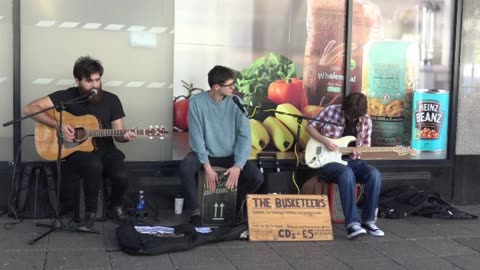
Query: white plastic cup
178 204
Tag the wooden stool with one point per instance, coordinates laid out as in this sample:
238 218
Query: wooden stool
217 207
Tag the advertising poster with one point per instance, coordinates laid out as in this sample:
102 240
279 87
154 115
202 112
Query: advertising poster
291 60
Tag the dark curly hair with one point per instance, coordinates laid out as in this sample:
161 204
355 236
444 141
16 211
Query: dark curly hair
219 75
85 66
355 105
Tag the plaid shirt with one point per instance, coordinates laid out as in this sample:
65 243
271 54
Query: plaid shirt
331 123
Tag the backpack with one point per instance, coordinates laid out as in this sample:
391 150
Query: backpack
134 240
401 202
35 193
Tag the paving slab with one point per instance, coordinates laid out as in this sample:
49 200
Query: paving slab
282 266
374 265
444 247
25 259
432 263
402 249
408 230
355 251
294 254
451 230
122 261
252 256
18 236
471 242
210 256
327 262
77 259
64 240
466 262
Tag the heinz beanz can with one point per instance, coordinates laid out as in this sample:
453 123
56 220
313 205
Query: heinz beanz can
430 120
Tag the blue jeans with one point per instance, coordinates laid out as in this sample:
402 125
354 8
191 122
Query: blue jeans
249 181
346 177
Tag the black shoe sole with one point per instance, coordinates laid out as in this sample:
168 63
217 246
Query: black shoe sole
356 236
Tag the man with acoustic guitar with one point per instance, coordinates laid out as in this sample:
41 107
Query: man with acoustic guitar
350 119
106 160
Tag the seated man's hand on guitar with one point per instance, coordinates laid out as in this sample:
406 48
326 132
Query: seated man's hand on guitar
356 154
233 175
211 179
68 133
331 146
130 135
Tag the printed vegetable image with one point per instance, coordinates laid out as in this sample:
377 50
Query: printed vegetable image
288 91
291 122
180 113
263 104
265 70
260 136
180 107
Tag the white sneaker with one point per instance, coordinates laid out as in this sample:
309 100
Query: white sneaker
355 231
372 229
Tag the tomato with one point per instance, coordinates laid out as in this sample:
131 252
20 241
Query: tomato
180 114
288 91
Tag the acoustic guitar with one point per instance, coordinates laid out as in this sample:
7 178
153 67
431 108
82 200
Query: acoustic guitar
317 155
86 127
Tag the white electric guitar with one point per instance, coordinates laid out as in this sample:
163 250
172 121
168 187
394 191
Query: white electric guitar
317 155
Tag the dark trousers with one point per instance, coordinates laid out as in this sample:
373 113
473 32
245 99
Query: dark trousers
106 162
249 181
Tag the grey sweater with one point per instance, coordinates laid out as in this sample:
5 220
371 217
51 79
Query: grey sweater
218 129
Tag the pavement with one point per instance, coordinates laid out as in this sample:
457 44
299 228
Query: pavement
410 243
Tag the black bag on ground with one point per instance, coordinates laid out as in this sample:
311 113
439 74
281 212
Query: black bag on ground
274 180
401 202
184 237
35 195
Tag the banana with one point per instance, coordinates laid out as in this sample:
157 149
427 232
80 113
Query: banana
282 138
291 122
260 136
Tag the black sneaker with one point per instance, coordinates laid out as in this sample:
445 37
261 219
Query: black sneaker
86 224
355 231
196 220
372 229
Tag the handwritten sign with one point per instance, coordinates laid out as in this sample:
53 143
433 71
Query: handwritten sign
288 218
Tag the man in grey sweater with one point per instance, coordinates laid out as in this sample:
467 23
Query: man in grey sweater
219 135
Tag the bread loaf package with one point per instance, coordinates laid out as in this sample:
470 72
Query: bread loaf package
390 74
323 70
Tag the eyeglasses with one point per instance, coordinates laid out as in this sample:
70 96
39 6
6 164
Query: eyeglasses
228 85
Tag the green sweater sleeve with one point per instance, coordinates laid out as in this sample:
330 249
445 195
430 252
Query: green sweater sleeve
195 132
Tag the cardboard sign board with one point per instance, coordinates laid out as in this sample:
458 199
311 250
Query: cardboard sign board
288 218
217 207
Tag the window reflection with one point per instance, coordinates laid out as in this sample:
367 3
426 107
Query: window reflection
134 43
6 84
413 53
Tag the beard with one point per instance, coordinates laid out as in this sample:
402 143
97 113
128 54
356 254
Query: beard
94 99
